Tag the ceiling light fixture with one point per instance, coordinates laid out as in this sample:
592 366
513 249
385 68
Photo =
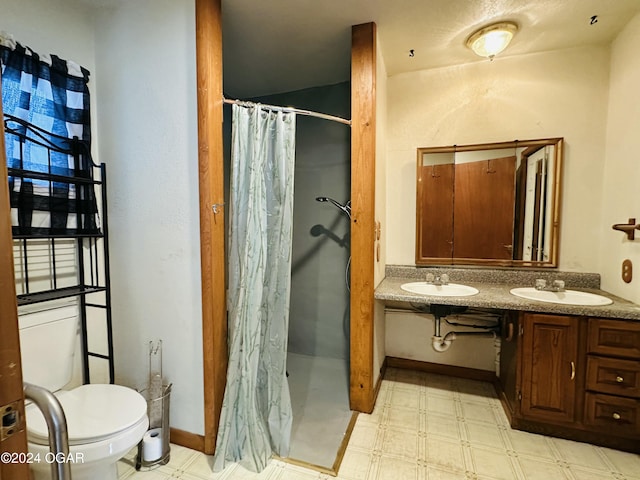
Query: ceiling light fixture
492 39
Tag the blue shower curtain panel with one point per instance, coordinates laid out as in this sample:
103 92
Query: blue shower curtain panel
256 412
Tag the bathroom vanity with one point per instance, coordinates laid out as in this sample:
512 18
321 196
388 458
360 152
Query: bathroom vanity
571 371
568 359
576 377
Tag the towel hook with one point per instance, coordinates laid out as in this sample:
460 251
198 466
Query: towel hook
628 228
216 206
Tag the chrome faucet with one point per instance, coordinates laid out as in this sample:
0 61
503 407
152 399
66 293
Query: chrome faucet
437 279
556 285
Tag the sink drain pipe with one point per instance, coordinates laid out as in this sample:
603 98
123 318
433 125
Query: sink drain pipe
442 344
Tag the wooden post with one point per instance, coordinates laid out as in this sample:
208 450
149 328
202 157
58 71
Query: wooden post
363 155
212 234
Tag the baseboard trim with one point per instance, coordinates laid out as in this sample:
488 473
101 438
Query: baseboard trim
187 439
506 405
449 370
376 389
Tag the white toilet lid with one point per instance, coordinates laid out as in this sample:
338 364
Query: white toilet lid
93 412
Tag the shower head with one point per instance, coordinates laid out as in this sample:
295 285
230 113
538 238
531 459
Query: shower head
317 230
346 208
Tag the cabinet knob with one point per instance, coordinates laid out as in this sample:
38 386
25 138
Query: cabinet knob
616 416
619 379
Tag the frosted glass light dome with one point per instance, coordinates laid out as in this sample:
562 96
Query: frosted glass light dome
493 39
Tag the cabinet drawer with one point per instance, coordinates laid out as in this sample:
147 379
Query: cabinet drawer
618 338
614 376
617 415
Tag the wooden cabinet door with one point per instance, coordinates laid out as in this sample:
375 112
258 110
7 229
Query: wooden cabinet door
549 367
435 194
484 209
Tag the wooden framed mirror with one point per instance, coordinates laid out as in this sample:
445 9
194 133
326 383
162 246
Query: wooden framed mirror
489 204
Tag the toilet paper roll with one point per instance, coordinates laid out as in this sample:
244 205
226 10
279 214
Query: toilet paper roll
152 444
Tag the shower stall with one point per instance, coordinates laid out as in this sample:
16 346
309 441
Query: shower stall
318 353
318 346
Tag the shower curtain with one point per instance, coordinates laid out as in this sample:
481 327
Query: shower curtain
256 412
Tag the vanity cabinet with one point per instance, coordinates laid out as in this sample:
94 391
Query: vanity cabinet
574 377
550 359
613 376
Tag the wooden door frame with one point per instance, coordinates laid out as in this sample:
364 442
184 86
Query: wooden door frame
212 234
10 362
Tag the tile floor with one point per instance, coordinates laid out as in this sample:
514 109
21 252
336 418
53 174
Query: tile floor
428 427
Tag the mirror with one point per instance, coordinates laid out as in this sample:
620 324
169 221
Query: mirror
489 204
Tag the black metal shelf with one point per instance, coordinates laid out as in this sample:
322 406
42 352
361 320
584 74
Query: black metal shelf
51 177
58 293
60 236
91 247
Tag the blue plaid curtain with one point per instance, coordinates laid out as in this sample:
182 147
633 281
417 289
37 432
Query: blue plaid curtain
46 103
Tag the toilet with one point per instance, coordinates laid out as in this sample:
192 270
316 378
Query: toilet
104 421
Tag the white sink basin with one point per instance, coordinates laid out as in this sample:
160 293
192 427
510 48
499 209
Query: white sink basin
449 290
568 297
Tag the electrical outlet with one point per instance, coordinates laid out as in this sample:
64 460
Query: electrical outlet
627 271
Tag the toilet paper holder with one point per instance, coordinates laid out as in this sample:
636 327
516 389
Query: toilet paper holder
155 448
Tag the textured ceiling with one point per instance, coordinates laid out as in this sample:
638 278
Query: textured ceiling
285 45
273 46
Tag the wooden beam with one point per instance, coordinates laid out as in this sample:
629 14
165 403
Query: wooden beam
212 234
363 155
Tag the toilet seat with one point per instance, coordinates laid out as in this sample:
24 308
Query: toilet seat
94 412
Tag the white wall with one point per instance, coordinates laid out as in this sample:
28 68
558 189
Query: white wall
553 94
622 166
55 26
142 62
145 59
409 334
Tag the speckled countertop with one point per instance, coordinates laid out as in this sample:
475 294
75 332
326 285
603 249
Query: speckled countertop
494 286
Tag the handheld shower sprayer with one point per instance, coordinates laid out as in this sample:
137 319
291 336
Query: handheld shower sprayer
346 208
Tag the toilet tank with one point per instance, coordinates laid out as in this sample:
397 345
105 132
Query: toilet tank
47 345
